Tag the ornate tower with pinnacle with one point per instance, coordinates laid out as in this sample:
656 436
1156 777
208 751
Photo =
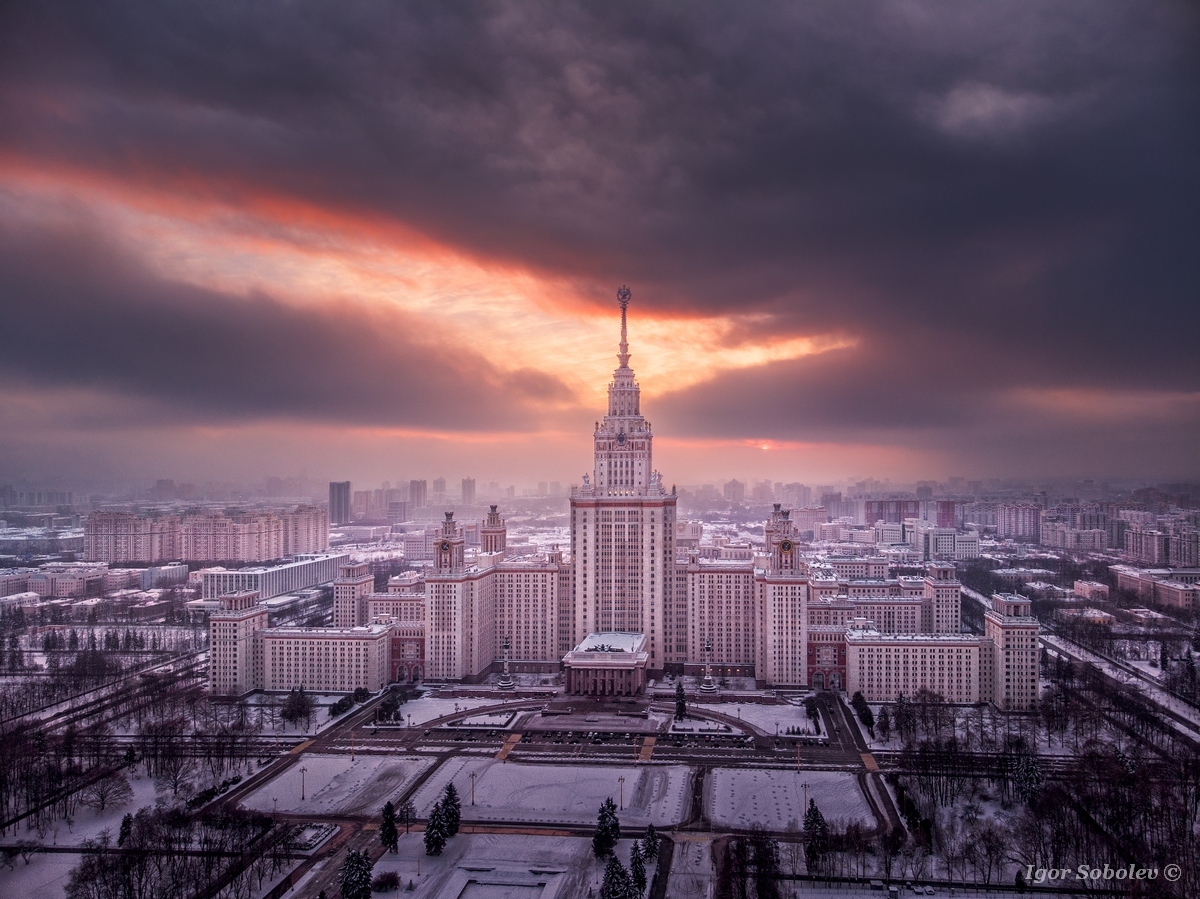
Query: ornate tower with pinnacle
623 442
623 521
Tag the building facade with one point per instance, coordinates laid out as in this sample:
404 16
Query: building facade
623 523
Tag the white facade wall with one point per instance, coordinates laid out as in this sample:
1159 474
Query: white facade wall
276 580
721 606
882 666
783 629
234 655
325 659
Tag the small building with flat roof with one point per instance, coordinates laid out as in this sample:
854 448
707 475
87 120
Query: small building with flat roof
611 663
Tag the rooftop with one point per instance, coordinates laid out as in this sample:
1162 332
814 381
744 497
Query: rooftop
612 641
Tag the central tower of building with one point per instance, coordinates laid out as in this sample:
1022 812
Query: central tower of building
623 522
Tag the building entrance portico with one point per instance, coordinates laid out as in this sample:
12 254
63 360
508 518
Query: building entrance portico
607 664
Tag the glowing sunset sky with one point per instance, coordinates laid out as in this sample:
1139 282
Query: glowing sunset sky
382 240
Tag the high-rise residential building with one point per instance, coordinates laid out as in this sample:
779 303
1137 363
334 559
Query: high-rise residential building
734 492
339 502
623 521
1021 521
418 494
130 537
439 491
240 536
468 491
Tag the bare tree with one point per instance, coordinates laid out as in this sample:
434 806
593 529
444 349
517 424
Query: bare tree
175 771
110 790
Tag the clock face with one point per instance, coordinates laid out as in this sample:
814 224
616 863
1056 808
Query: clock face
621 437
786 546
445 546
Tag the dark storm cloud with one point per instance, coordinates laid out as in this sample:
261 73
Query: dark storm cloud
77 315
986 196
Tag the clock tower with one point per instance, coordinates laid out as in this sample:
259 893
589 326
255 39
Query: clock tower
449 550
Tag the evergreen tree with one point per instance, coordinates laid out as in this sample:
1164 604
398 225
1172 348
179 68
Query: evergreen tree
637 870
355 876
650 843
765 859
816 837
1027 778
435 831
389 835
451 810
884 724
616 883
126 829
865 715
608 829
680 702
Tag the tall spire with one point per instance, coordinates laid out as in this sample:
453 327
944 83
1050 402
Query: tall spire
623 296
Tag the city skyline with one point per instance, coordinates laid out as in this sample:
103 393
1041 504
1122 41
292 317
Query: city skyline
861 246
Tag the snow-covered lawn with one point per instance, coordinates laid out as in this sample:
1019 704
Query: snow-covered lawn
763 717
736 797
428 707
494 866
338 785
87 823
560 794
45 877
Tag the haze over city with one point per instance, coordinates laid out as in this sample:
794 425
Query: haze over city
606 450
894 241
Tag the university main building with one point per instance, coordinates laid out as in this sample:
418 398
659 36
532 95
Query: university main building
626 606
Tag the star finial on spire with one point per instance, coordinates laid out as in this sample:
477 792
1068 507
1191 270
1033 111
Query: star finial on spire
623 296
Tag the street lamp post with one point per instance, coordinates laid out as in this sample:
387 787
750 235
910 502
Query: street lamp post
303 771
473 787
621 783
274 809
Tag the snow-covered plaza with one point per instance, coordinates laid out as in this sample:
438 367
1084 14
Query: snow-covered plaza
560 794
338 784
492 866
773 799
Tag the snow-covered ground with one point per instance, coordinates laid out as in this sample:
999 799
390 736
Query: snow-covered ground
560 794
338 785
1146 685
45 877
493 866
702 726
428 708
320 719
737 797
763 717
487 719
